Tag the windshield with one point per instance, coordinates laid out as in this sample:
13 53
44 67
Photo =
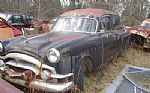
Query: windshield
75 24
145 24
5 16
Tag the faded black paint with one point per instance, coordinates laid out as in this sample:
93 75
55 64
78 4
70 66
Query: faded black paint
99 46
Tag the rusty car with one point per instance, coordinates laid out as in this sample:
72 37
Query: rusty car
140 34
7 30
18 20
79 43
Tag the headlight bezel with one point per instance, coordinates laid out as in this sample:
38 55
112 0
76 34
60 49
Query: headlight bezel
53 55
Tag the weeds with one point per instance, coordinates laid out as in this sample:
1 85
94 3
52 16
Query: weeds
95 83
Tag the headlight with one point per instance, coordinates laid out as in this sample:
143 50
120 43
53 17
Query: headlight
1 47
53 55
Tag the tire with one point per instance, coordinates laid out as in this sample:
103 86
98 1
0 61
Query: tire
88 66
79 76
83 68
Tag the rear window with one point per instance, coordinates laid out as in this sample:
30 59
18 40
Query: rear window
16 19
29 17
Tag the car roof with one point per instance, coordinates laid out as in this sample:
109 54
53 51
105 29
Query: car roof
7 15
88 12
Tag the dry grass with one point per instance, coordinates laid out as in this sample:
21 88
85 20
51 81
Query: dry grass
99 80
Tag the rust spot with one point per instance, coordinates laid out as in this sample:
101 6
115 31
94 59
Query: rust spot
88 12
28 76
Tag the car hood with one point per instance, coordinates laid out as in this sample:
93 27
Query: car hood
140 30
38 44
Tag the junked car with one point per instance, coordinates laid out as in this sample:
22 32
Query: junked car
18 20
80 41
140 36
7 30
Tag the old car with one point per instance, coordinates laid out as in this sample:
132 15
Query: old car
18 20
7 30
80 42
140 36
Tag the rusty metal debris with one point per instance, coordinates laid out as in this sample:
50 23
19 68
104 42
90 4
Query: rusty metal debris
140 34
5 87
132 79
140 79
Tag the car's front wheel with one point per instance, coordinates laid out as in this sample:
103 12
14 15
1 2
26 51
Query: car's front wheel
83 68
79 76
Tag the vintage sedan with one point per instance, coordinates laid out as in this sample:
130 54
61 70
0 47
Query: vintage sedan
140 36
80 42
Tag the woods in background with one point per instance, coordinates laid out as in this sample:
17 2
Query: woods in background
131 11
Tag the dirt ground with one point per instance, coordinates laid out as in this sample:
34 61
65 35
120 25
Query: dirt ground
97 81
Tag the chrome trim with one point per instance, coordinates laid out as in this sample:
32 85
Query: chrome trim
35 69
44 66
42 85
1 63
58 76
54 76
16 75
30 63
1 47
25 58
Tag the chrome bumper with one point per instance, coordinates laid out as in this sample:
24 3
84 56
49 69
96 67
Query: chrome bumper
35 66
41 85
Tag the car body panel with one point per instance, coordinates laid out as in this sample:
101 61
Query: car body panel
141 34
139 30
5 87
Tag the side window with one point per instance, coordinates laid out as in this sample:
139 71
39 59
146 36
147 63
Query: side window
115 22
16 19
105 23
29 18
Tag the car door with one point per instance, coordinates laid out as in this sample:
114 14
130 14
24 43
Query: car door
118 32
108 39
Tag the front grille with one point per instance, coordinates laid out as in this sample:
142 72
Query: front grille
19 65
24 61
24 57
16 69
21 62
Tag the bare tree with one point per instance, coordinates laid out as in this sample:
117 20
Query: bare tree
41 9
131 11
